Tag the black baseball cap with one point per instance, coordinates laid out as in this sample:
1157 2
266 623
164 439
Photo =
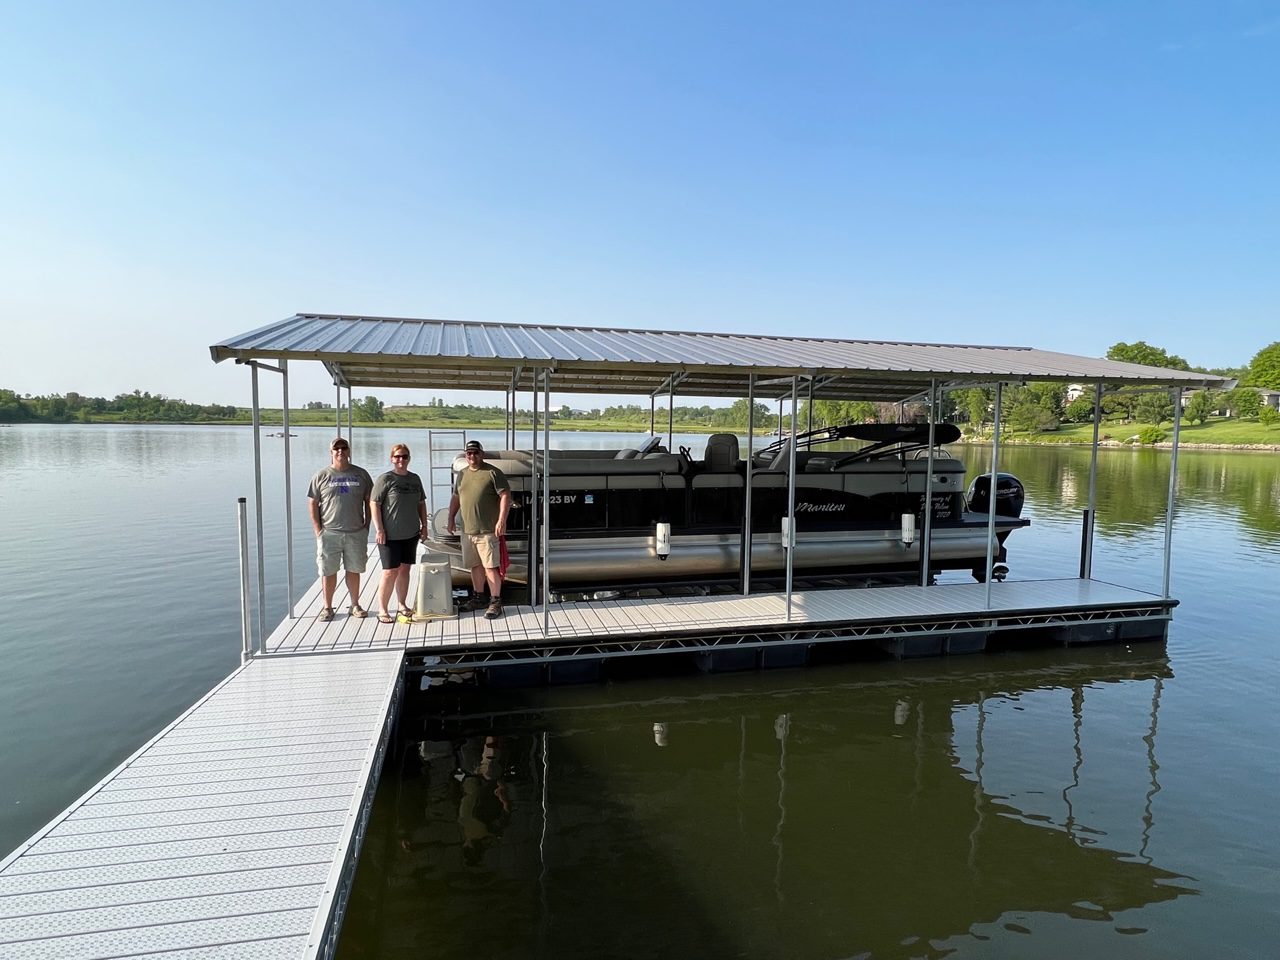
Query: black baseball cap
473 446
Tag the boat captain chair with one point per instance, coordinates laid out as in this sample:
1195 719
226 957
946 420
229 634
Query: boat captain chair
722 453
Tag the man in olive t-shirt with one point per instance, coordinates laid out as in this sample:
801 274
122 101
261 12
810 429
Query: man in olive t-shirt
483 497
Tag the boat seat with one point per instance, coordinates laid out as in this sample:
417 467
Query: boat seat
722 453
626 453
783 460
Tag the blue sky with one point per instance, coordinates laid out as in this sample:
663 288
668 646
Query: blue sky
1059 175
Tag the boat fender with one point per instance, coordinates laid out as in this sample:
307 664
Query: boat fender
908 529
662 540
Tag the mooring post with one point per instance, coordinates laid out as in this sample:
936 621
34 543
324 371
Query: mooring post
246 630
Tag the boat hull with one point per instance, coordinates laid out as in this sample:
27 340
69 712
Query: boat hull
614 560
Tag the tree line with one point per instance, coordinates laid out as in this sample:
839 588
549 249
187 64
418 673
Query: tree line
136 407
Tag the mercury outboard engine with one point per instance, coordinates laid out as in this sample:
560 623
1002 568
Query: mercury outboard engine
1010 495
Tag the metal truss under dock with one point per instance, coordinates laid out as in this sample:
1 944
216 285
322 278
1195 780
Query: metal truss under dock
232 833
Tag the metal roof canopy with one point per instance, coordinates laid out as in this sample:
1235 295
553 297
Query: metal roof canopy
469 355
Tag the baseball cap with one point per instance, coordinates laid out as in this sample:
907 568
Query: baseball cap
473 446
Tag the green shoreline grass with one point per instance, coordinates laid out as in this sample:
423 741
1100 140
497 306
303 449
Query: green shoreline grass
1225 433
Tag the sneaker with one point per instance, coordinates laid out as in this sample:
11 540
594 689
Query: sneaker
494 611
472 603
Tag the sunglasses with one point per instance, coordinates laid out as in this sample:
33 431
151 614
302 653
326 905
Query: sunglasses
342 449
399 456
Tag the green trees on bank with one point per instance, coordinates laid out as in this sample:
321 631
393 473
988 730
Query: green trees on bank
136 407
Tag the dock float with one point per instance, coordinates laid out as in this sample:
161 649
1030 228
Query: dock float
234 832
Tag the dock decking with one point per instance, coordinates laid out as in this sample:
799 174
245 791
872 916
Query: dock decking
596 627
232 833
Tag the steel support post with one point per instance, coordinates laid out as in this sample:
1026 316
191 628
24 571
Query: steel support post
532 521
744 555
991 492
671 414
927 538
1173 486
257 505
288 487
546 503
1091 515
789 537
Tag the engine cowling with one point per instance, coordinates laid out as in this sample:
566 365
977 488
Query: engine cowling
1010 495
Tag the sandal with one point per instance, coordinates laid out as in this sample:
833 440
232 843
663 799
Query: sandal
386 618
357 611
326 614
405 614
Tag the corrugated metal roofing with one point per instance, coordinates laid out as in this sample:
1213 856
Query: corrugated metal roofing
399 352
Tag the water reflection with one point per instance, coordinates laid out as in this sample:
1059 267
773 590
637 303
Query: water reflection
1133 484
871 812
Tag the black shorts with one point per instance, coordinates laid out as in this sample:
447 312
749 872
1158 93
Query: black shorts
396 552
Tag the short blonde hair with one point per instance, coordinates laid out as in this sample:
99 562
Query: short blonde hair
400 448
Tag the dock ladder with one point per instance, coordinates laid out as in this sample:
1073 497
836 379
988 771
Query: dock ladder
439 443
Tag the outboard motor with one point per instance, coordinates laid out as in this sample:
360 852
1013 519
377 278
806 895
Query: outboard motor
1010 494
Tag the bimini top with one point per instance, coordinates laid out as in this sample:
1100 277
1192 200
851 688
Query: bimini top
397 352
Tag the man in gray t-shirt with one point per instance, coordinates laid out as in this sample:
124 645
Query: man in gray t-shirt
338 500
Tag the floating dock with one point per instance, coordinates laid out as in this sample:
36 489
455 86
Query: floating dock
901 620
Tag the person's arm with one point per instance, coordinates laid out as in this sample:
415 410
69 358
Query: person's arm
504 506
453 514
368 492
381 535
422 520
313 507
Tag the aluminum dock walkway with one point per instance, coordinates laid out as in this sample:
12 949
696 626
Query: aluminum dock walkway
232 833
1087 609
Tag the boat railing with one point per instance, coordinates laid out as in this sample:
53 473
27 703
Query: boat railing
442 446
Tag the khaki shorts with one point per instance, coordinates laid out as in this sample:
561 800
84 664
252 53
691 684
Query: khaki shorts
480 550
336 549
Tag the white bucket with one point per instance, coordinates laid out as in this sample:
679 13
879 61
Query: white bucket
435 587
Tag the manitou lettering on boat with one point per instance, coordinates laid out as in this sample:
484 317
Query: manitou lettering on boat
608 509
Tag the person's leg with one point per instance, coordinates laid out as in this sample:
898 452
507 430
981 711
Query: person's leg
493 577
327 567
385 585
477 579
355 555
402 586
353 588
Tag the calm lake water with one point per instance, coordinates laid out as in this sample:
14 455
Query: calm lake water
1113 802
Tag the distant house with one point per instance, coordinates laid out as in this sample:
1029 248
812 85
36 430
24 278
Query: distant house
1270 398
1075 391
